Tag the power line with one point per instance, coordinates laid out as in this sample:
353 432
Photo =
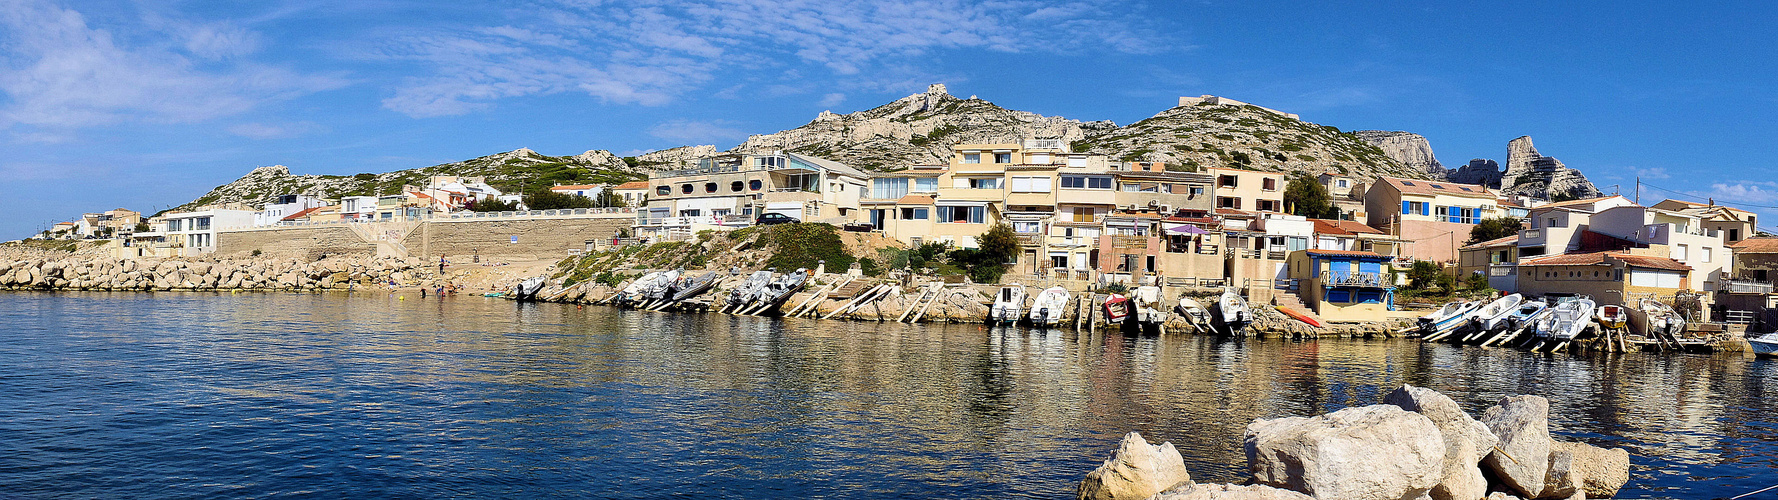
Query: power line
1716 201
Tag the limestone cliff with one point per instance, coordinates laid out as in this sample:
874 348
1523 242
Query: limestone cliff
1215 135
1532 174
917 129
1481 171
921 128
1409 148
678 154
510 171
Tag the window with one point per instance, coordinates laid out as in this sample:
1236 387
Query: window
889 188
1466 189
972 158
1197 191
1679 252
1039 159
1436 186
709 187
1059 261
1269 184
1085 182
915 213
1027 227
1228 202
1227 181
1141 187
1002 157
1552 223
973 215
1085 214
201 223
685 188
734 187
173 225
755 185
979 183
1031 184
1077 161
1340 183
1414 208
1266 205
925 185
1407 183
768 162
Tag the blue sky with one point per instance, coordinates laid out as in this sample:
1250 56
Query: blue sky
148 104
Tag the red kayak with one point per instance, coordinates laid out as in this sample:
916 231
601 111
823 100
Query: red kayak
1300 316
1116 308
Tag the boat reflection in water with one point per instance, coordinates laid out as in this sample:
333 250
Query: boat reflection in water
107 395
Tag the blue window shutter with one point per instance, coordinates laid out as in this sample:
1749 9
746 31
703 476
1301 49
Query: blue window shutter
1405 210
1423 207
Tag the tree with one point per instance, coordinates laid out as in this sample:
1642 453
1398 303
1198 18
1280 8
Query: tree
608 199
550 200
1496 228
1424 274
1308 198
994 248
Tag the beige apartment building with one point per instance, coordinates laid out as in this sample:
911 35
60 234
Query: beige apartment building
1248 190
730 191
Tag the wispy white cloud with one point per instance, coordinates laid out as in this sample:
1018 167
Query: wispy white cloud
833 99
1651 173
255 130
61 73
696 132
650 53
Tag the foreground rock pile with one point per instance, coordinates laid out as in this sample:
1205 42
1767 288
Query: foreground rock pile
1418 445
106 273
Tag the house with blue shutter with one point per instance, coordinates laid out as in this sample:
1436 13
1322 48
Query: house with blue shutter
1433 218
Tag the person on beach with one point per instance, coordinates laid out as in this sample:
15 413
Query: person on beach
441 263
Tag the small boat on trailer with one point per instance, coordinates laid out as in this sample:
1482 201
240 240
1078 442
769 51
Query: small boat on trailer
1048 308
1117 309
1008 303
1522 318
780 290
1565 323
1233 311
1492 316
1149 314
748 291
1194 313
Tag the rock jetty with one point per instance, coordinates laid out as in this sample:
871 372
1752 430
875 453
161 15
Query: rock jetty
107 273
1419 444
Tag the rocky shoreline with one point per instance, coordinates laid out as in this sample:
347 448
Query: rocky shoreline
1418 444
98 272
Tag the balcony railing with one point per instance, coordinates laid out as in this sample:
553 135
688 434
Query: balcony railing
1030 239
1366 280
1746 286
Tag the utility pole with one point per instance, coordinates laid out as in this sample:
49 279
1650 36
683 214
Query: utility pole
1639 190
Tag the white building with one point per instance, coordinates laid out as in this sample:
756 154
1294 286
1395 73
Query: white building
358 207
195 231
285 206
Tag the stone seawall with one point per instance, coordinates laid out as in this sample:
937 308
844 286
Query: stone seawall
536 239
505 238
107 273
304 242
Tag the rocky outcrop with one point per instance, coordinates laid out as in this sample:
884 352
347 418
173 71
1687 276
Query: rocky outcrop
511 169
1466 441
1603 471
1228 492
1411 149
1522 459
1479 171
1135 471
1530 173
1378 452
914 130
678 154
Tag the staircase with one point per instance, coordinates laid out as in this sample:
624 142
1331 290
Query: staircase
1289 299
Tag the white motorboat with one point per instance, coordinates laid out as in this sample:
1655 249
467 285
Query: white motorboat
662 288
1194 313
780 289
1765 345
1567 321
527 290
1149 311
633 292
1047 310
749 289
1526 314
1007 305
1232 310
1446 318
1494 315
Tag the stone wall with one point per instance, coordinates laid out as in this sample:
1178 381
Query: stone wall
537 238
305 243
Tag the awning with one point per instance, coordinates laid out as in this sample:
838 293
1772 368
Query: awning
1186 229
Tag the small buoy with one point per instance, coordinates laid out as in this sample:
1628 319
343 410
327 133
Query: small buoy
400 297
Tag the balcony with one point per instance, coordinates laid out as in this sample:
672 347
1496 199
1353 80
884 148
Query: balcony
1030 240
1502 269
1745 286
1362 280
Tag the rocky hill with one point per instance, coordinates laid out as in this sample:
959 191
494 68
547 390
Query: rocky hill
510 171
915 130
1220 135
921 128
